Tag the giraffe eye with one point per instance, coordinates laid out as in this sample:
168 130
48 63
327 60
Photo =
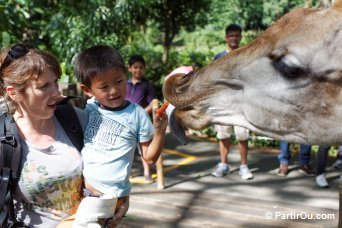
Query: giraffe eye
289 66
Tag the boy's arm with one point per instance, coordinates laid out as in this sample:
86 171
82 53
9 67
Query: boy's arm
151 150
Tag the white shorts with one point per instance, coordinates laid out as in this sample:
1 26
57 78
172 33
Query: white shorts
224 132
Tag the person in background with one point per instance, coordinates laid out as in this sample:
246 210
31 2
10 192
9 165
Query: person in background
322 157
142 92
285 156
139 89
338 162
116 127
233 37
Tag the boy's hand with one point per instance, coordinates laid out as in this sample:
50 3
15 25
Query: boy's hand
118 216
159 121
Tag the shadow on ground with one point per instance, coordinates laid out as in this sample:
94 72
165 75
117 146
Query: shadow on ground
194 198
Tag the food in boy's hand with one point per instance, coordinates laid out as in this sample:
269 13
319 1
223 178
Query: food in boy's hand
162 109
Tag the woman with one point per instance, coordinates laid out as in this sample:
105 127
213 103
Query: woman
50 185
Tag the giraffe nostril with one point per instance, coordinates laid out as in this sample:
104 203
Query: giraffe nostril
183 82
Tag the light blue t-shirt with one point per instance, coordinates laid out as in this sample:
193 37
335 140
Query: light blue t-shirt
110 140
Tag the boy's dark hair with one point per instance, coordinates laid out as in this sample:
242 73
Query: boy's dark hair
233 28
96 60
136 58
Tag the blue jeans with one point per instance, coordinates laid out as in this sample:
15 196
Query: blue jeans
322 157
285 154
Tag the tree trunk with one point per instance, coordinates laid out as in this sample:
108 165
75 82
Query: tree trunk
166 52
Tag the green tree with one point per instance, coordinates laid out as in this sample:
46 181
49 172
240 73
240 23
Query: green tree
170 16
65 27
254 14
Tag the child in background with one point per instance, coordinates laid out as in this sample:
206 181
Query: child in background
140 91
115 128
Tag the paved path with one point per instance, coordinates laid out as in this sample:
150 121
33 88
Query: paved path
193 198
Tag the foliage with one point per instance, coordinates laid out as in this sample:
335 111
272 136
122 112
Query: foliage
254 14
258 142
67 27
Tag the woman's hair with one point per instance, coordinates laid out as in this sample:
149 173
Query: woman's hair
96 60
19 71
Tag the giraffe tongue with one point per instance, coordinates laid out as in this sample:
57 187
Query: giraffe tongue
176 129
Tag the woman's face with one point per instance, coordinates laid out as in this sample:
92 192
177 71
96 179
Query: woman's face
38 100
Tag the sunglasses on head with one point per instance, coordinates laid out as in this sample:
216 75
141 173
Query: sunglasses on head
15 52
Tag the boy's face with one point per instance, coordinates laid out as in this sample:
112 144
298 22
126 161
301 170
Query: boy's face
137 70
233 39
109 88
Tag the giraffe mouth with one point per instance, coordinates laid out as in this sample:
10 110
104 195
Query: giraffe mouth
176 129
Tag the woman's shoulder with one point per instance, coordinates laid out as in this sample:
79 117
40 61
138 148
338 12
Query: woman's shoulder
82 116
68 114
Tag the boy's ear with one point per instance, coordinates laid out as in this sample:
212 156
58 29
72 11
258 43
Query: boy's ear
86 90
